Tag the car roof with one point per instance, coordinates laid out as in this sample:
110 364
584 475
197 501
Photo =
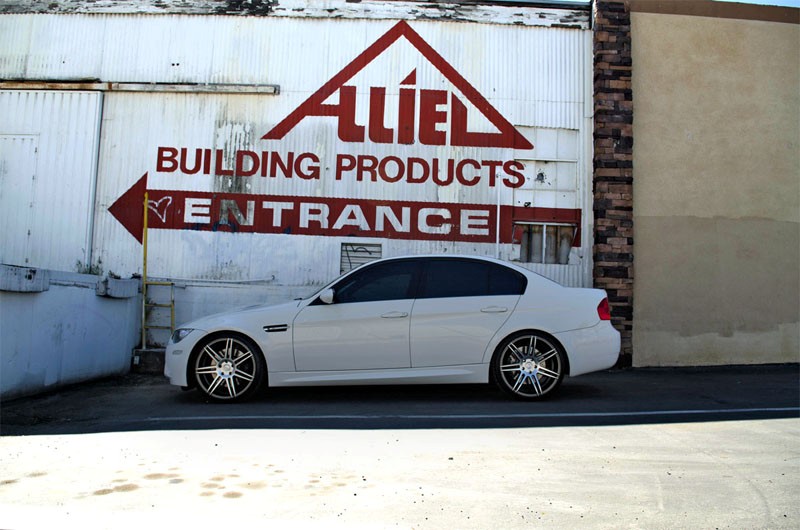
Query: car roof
527 272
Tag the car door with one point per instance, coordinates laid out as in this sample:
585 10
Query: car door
366 326
460 306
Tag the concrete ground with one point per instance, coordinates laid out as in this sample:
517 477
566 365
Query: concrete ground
631 449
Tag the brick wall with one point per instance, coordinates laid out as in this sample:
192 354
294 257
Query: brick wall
613 165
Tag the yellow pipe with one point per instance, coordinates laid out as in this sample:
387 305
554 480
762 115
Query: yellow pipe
144 273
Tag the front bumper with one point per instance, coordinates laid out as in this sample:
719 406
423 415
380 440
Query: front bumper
176 358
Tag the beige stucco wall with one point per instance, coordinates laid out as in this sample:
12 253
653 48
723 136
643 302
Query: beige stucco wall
716 190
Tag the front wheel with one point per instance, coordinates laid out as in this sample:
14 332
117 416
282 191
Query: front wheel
228 368
528 365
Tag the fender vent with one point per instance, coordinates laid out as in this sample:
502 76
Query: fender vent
276 328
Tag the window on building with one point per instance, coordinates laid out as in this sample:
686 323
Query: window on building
545 242
357 254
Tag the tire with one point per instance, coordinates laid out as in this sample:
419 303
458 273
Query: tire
529 365
228 368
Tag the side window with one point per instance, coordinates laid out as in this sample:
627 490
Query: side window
504 281
386 281
451 278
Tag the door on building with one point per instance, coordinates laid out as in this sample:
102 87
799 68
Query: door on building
49 141
17 197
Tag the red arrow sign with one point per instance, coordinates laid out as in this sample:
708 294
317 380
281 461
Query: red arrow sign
322 216
129 208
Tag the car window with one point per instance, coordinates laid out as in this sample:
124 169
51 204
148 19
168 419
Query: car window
455 278
385 281
505 281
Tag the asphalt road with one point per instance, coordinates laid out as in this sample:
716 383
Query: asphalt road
687 448
622 397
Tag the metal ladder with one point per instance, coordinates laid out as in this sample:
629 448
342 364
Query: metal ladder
146 284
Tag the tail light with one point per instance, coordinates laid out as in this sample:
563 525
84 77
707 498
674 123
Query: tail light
603 310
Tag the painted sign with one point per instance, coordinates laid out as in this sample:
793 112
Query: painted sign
428 112
237 212
430 119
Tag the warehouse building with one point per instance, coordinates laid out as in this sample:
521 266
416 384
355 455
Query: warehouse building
279 144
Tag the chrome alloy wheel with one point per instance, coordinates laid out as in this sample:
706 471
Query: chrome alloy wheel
227 368
529 366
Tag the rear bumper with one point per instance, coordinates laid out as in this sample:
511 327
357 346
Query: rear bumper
591 349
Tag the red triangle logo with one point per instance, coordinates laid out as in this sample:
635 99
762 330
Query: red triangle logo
411 79
507 136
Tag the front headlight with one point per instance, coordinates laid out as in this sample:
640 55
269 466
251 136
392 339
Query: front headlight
180 334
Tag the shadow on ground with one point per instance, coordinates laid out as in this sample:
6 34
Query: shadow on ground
621 397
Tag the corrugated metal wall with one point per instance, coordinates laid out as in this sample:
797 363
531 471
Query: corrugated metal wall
534 76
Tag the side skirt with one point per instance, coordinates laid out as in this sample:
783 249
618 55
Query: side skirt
470 373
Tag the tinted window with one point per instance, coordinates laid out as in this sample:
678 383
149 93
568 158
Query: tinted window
503 280
454 278
450 278
386 281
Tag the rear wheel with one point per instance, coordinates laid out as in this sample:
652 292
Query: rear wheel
529 365
228 368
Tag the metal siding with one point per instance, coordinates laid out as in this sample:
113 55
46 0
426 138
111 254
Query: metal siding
534 76
59 206
243 50
15 36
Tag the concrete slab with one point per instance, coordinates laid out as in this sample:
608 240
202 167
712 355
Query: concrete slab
741 474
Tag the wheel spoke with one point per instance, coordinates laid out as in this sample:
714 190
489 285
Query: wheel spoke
246 357
244 375
520 382
532 345
211 353
231 387
207 370
546 356
537 386
516 352
229 349
510 367
215 384
548 373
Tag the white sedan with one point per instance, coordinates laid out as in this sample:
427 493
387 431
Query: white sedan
408 320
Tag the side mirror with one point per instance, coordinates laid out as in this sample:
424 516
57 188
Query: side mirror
326 296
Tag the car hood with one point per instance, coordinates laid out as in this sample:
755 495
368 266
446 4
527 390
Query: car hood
284 313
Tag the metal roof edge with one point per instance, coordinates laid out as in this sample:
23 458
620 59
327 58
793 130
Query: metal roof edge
557 13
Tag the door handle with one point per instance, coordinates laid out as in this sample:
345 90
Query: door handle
494 309
394 314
